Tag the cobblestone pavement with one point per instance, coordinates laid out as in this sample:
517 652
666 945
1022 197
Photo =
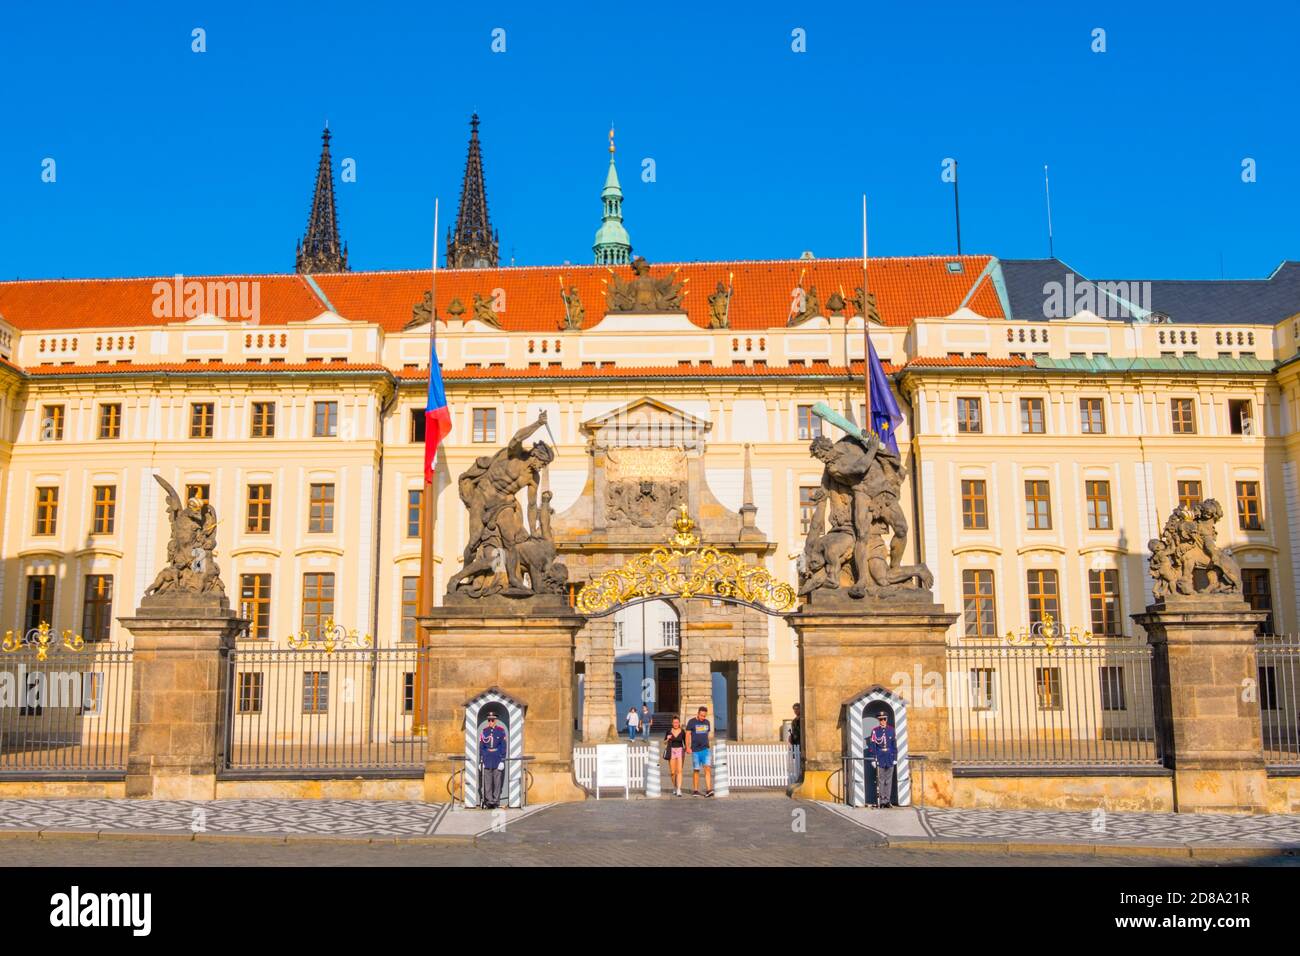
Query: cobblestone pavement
1280 831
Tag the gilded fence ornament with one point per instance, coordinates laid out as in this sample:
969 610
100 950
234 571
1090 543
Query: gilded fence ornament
1050 634
332 636
41 637
686 569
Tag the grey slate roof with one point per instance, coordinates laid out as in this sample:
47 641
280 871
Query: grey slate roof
1215 301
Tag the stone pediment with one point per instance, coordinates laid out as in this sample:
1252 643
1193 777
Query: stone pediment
647 423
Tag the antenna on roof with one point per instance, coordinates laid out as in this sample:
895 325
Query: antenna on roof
956 204
1051 254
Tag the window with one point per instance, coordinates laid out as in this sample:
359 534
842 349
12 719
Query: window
1189 494
414 511
202 492
104 509
317 601
671 633
97 607
1248 506
969 419
1047 684
977 603
52 423
810 426
316 692
110 420
1097 496
974 506
255 604
250 692
1184 416
47 510
33 696
1031 416
1240 421
1111 679
408 692
320 508
1268 697
259 509
1258 592
982 694
1103 597
263 420
620 639
92 694
1038 505
806 507
325 420
1092 416
1040 585
485 424
202 415
618 687
417 426
40 600
410 607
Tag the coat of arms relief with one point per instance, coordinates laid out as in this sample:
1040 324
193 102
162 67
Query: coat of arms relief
645 486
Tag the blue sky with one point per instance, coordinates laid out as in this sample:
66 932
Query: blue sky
174 161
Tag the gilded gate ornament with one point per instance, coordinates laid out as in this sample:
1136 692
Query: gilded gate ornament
41 637
683 570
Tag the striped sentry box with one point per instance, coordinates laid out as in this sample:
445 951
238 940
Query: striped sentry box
721 776
856 795
514 746
652 783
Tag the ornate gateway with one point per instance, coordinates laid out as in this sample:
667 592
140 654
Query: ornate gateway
684 569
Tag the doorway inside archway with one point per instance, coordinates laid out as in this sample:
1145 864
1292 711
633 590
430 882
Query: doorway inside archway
647 667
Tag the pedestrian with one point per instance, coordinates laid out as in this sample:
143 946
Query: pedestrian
491 761
796 737
633 724
882 751
674 751
697 745
645 722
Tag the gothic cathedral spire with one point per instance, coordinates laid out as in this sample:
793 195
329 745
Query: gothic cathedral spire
319 250
613 246
472 244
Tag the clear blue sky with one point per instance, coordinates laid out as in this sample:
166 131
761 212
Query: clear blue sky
171 161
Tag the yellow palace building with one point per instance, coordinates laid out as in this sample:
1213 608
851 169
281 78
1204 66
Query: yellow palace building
1052 421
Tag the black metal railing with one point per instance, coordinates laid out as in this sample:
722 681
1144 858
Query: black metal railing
65 713
1083 708
1278 658
315 712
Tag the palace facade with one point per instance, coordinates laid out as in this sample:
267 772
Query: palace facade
1051 424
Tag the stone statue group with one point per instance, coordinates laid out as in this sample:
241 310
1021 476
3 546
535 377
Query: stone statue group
1186 545
855 507
190 568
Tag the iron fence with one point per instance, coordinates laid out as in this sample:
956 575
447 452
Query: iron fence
1278 658
313 712
1072 708
65 713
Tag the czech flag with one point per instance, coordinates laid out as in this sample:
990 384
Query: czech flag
437 416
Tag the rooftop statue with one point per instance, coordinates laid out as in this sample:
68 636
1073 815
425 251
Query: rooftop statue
856 506
1187 545
574 313
504 544
645 293
484 312
807 305
720 307
190 568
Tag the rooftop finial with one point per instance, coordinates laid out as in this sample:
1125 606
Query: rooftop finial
611 138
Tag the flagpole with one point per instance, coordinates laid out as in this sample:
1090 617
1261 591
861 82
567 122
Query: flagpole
866 326
428 512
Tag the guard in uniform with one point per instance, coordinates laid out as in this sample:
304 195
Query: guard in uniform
882 751
491 759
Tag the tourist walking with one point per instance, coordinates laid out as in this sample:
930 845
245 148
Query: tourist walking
645 722
633 724
882 751
674 751
698 729
491 759
796 731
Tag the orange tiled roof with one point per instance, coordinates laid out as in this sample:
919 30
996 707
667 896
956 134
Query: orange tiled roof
966 361
128 368
906 288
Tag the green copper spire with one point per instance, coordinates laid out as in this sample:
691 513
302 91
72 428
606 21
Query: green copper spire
612 246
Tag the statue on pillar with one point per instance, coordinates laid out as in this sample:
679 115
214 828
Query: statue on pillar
191 567
504 543
1188 544
860 490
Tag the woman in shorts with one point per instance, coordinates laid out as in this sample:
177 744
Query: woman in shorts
675 750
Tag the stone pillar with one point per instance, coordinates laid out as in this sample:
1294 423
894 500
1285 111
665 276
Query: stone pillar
847 647
1203 651
754 693
525 648
696 663
599 713
179 685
